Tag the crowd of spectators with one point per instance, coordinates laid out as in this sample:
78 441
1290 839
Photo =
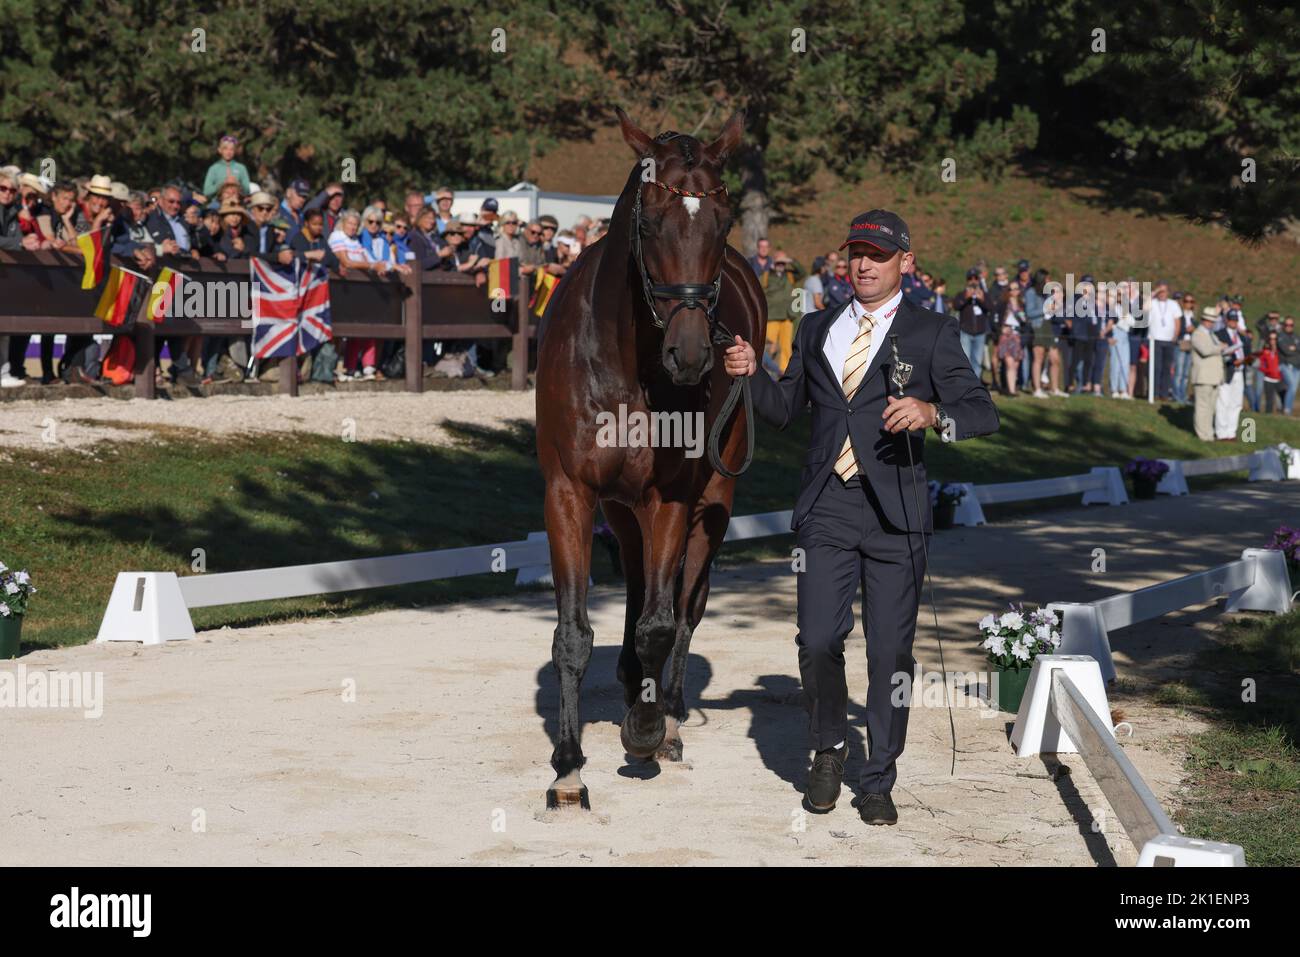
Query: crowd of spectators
232 217
1023 338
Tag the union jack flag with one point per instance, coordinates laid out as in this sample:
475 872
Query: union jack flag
291 311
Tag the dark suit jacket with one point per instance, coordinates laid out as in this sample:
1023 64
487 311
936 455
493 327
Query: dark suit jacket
941 373
1230 370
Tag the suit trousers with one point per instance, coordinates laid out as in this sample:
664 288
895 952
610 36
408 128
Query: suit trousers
847 542
1205 396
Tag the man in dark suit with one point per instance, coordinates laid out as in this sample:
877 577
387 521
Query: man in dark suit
859 515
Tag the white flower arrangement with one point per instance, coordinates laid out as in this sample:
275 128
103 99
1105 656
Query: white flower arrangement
15 588
1014 638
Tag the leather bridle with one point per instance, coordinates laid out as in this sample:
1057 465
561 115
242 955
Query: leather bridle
691 295
698 295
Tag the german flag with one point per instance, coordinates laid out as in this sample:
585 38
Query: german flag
92 249
116 298
503 278
164 292
543 286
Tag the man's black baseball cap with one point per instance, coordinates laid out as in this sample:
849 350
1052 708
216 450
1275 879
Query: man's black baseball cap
879 228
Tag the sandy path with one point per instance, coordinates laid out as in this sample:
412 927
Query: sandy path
443 755
418 417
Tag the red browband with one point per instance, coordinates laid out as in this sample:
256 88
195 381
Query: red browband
686 192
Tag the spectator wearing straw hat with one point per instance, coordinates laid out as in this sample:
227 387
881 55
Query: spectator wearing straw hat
236 240
1207 372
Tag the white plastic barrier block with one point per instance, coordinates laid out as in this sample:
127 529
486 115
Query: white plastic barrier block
1036 729
1271 590
1174 850
1113 493
1173 482
1290 459
1083 632
146 607
1266 466
968 511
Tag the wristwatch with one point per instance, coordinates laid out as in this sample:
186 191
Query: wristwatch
938 416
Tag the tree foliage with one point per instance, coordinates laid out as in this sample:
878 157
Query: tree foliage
413 92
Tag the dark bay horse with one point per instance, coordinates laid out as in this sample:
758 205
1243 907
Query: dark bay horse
631 330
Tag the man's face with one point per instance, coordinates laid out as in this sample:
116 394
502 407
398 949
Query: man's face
170 202
533 233
296 199
261 213
764 248
444 205
1288 326
137 210
336 200
487 217
1000 276
1162 293
413 204
875 273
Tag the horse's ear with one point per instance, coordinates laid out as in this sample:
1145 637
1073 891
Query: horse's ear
727 140
633 135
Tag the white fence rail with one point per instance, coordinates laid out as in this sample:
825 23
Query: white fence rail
1065 711
164 599
1257 582
1105 486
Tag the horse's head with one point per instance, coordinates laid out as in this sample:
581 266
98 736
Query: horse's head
679 237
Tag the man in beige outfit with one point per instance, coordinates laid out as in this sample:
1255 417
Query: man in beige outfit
1207 372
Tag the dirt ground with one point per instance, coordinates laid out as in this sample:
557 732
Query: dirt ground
243 747
418 417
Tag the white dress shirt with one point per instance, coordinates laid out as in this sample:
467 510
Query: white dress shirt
845 329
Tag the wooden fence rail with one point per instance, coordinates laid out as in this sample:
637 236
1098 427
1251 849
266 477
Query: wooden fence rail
40 292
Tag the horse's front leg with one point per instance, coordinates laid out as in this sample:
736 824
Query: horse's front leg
570 507
663 528
704 538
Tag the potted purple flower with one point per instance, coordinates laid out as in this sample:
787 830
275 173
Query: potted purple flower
1012 641
944 499
1146 475
1287 541
15 590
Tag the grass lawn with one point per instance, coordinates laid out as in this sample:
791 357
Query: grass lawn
75 520
1245 771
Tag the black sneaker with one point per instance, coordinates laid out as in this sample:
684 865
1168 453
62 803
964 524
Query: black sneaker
824 779
877 809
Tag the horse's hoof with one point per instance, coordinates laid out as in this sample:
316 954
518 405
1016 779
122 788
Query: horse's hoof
567 797
671 748
643 746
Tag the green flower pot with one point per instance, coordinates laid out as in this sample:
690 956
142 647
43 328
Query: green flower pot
1011 687
11 627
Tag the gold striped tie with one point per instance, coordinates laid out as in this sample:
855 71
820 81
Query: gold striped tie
855 370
